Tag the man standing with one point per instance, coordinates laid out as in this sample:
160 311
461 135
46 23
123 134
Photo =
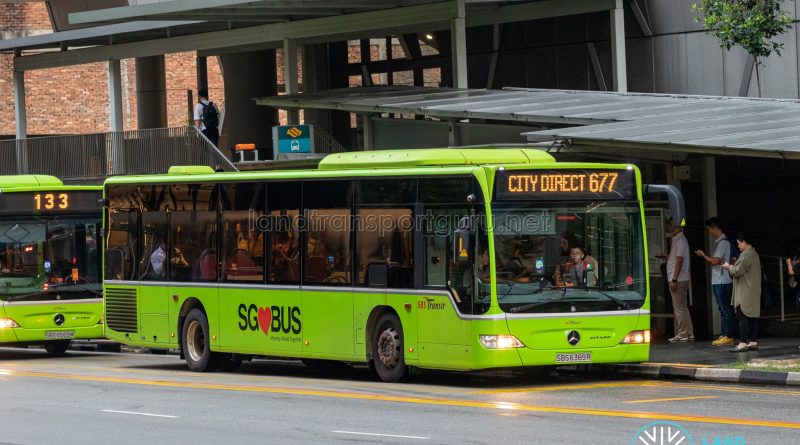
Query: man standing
679 281
206 117
721 282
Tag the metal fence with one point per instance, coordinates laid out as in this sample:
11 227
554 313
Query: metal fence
92 157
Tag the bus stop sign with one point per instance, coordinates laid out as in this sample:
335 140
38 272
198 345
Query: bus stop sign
292 141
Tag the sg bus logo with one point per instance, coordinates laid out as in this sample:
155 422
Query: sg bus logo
270 319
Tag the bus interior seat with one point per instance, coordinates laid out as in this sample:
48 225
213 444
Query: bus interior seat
316 267
205 268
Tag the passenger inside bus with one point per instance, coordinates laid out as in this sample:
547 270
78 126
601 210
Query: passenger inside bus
579 271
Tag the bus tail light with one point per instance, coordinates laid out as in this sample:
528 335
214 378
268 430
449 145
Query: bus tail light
8 323
636 337
500 342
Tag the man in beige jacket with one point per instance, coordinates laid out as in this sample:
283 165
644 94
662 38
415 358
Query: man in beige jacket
746 274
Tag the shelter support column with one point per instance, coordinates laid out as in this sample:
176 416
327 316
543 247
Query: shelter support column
709 176
115 148
290 76
202 73
458 42
21 122
248 75
618 62
151 92
369 132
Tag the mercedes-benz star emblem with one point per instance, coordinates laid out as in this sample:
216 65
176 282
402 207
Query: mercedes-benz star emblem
573 337
58 319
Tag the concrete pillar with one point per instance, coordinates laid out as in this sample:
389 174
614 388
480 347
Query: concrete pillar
151 92
249 75
202 73
458 42
114 96
709 177
618 63
315 78
290 76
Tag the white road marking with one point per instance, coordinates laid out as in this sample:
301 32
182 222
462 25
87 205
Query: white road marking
381 435
138 414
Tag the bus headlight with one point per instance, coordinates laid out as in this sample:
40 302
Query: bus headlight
500 342
8 323
637 337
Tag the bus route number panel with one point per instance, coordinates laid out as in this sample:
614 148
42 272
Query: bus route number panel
515 185
46 202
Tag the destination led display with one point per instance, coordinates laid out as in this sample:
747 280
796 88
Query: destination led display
45 202
565 184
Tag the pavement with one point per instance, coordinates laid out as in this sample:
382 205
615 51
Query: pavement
700 360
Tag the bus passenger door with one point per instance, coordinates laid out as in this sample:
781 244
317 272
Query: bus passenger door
443 336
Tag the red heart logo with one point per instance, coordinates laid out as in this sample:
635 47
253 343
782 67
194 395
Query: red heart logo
265 319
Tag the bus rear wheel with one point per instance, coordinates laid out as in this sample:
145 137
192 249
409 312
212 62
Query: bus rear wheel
56 347
195 343
388 357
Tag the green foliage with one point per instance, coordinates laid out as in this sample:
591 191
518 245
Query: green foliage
750 24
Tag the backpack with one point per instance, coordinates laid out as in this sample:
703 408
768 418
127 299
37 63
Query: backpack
210 116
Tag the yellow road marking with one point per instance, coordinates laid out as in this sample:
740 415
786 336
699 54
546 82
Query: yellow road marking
671 399
680 365
646 384
505 406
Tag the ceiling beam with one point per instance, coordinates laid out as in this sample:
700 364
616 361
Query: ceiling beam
318 30
489 15
161 10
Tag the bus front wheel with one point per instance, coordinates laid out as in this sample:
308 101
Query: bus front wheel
195 343
57 347
388 359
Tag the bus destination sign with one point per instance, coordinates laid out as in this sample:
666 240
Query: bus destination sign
47 202
516 185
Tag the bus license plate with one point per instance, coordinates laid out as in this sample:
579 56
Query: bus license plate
59 334
583 357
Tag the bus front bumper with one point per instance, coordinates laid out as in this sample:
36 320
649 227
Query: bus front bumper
29 336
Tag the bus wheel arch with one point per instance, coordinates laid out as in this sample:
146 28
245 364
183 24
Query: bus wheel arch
188 305
195 338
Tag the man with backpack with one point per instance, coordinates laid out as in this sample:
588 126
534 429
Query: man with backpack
206 117
721 282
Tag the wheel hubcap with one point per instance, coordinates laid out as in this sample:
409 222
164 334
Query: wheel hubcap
389 348
195 341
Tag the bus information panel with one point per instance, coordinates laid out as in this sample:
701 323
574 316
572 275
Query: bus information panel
51 202
516 185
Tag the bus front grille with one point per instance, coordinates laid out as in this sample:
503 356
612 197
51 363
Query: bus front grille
121 309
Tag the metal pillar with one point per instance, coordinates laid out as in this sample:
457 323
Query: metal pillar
369 131
115 147
290 76
458 42
618 63
19 105
21 122
709 210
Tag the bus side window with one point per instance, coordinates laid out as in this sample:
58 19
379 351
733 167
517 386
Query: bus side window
281 224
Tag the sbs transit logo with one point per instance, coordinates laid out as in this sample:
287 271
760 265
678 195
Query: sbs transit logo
271 319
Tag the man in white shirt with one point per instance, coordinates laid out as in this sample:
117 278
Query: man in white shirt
679 281
206 117
721 282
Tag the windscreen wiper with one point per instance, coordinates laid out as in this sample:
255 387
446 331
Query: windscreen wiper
24 296
525 307
617 301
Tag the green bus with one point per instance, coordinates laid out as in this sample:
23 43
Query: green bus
50 262
454 259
